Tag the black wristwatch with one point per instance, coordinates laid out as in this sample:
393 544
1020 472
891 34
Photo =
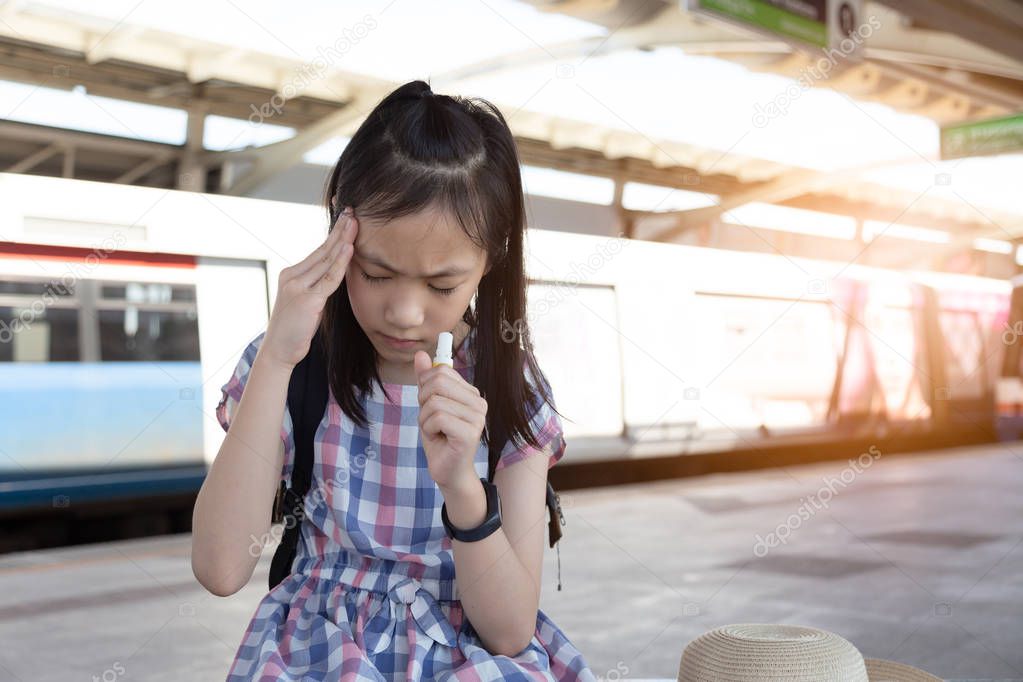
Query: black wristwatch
489 525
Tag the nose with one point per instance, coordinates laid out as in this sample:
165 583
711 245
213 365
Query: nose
404 310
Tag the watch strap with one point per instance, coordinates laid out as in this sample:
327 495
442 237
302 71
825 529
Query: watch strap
490 524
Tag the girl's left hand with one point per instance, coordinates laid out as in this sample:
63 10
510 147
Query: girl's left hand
452 417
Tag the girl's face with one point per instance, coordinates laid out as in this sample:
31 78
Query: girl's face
412 278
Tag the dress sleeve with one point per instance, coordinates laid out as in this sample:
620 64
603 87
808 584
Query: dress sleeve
546 424
231 396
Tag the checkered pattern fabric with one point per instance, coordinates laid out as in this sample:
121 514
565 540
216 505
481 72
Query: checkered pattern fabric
373 594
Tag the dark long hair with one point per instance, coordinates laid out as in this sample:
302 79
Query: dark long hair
415 150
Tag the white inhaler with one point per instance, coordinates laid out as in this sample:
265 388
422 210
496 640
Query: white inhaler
443 356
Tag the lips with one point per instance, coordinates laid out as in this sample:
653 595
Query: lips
402 345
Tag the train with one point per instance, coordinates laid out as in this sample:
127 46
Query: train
124 309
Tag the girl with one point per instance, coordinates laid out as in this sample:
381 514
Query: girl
428 217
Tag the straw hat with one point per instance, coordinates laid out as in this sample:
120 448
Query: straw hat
746 652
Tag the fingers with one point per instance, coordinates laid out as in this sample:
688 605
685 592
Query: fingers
331 279
455 389
343 245
451 426
318 254
440 403
341 230
318 269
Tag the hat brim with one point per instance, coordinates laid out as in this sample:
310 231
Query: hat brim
880 670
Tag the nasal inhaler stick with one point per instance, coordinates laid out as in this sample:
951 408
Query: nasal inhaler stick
443 356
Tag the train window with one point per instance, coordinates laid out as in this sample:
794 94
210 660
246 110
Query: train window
569 345
36 288
38 334
147 292
183 294
763 360
116 291
134 334
964 354
893 360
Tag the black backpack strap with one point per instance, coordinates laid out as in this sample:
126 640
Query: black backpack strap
307 401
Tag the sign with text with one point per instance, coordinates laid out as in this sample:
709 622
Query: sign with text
821 24
991 136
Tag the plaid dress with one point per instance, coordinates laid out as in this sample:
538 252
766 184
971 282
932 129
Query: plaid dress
372 594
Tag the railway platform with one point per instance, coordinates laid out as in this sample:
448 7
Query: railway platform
915 559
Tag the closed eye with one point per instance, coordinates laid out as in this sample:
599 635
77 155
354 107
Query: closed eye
378 280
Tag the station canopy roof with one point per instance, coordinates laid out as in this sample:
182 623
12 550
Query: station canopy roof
639 91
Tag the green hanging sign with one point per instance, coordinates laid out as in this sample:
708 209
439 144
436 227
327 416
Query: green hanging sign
983 138
821 24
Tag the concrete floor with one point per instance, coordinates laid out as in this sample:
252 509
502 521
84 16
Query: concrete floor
915 559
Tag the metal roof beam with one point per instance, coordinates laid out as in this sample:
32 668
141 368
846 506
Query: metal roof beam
46 134
273 158
142 169
787 186
35 158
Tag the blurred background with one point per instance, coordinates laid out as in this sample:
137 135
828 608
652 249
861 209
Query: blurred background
774 257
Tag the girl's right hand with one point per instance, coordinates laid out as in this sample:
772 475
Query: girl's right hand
302 291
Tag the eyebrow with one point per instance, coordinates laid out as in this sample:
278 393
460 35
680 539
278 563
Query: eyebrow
376 260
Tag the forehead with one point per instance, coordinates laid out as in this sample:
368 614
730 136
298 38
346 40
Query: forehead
417 243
